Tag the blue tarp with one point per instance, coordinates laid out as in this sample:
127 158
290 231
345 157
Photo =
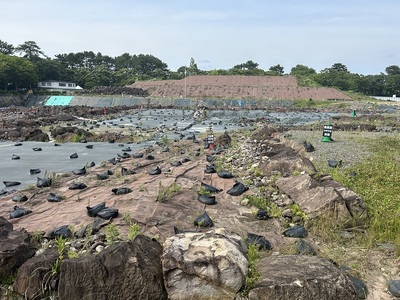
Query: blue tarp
59 101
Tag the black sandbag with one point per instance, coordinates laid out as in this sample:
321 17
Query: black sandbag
54 198
225 174
108 213
137 155
308 147
237 189
77 186
185 160
91 228
14 157
155 171
304 248
150 157
210 188
19 198
334 163
259 241
102 176
43 182
211 158
73 155
19 212
92 211
297 231
92 164
205 199
62 231
34 171
81 171
210 169
262 214
11 183
203 220
123 155
121 190
126 171
176 163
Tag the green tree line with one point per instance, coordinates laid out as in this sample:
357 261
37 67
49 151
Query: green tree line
24 65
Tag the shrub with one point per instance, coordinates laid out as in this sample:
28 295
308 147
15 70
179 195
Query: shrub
112 234
134 230
166 192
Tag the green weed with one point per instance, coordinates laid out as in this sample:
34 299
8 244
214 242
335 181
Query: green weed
254 274
166 192
112 233
134 230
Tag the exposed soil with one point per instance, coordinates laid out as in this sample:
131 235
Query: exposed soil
237 87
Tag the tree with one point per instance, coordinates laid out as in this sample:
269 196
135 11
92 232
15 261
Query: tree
193 69
336 76
17 71
6 48
276 70
392 85
124 61
301 70
52 69
393 70
247 68
338 67
146 66
30 50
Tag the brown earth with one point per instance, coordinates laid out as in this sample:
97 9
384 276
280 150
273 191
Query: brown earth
237 87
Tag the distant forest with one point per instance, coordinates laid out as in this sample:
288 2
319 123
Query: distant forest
23 66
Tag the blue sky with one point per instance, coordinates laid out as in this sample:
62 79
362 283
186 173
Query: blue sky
218 34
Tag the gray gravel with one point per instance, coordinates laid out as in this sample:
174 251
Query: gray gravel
349 146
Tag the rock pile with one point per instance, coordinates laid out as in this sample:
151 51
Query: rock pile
193 242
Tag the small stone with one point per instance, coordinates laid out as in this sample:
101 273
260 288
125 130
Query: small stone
287 213
39 251
346 235
99 248
244 202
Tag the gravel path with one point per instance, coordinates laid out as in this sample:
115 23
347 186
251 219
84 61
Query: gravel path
349 146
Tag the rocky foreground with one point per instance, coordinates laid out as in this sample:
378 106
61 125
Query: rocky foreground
175 221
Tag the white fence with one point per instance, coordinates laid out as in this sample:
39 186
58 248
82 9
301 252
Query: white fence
394 98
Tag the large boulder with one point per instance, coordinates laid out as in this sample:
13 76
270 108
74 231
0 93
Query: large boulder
318 197
35 275
301 277
126 270
15 248
284 160
210 265
223 140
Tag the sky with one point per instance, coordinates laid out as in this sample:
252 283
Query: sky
217 34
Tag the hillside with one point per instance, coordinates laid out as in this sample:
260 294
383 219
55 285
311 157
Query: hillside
237 87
